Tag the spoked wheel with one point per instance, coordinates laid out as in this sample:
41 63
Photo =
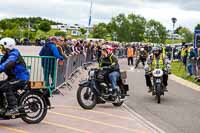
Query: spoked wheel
86 97
35 108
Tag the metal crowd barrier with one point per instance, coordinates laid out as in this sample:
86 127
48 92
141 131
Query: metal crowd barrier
120 52
66 71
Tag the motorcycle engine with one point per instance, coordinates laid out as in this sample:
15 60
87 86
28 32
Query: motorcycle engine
103 87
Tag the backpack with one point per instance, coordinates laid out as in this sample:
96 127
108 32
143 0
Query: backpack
46 50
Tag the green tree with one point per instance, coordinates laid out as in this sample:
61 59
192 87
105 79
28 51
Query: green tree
127 29
83 31
155 32
13 33
136 28
119 28
27 32
186 34
44 26
100 31
177 30
60 33
197 27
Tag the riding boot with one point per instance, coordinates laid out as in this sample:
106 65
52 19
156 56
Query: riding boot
2 109
165 88
13 111
12 103
150 89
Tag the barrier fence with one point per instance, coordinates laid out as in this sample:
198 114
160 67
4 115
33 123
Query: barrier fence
120 52
65 71
46 69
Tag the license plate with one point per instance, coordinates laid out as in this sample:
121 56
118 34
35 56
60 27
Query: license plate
158 80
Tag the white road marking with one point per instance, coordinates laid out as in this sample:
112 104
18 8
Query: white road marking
143 121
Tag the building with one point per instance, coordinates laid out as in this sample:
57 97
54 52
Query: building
175 36
62 27
74 28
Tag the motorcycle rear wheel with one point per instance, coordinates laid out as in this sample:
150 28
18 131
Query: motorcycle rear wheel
35 104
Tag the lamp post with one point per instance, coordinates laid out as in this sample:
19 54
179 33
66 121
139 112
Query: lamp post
174 20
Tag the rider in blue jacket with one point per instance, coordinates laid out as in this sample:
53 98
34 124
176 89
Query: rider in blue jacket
13 65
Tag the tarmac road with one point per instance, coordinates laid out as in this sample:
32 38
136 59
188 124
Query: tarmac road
179 111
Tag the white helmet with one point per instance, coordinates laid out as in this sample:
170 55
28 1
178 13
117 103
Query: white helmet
142 49
8 43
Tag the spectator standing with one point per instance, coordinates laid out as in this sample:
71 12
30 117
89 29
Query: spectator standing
60 46
191 61
130 54
48 64
184 54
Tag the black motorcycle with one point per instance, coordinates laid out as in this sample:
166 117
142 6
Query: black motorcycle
158 87
95 90
32 104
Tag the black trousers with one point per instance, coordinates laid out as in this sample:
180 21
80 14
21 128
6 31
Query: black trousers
148 80
141 59
130 60
9 87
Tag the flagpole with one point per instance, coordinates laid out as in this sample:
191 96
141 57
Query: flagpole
90 19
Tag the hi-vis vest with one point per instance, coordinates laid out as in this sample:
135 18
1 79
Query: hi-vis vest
164 51
111 61
183 52
130 52
157 64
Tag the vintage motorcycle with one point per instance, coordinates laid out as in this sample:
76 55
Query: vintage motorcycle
95 90
32 104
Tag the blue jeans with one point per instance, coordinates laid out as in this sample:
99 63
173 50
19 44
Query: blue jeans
114 77
189 67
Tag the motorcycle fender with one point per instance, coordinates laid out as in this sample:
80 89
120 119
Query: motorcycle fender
84 83
44 95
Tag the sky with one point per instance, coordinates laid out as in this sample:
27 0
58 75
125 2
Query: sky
187 12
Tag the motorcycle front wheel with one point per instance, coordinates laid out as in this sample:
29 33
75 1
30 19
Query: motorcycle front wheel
87 99
158 93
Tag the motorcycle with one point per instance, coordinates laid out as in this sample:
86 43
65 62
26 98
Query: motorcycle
158 87
95 90
32 104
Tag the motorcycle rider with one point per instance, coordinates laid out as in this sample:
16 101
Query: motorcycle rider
157 59
13 65
142 57
113 71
